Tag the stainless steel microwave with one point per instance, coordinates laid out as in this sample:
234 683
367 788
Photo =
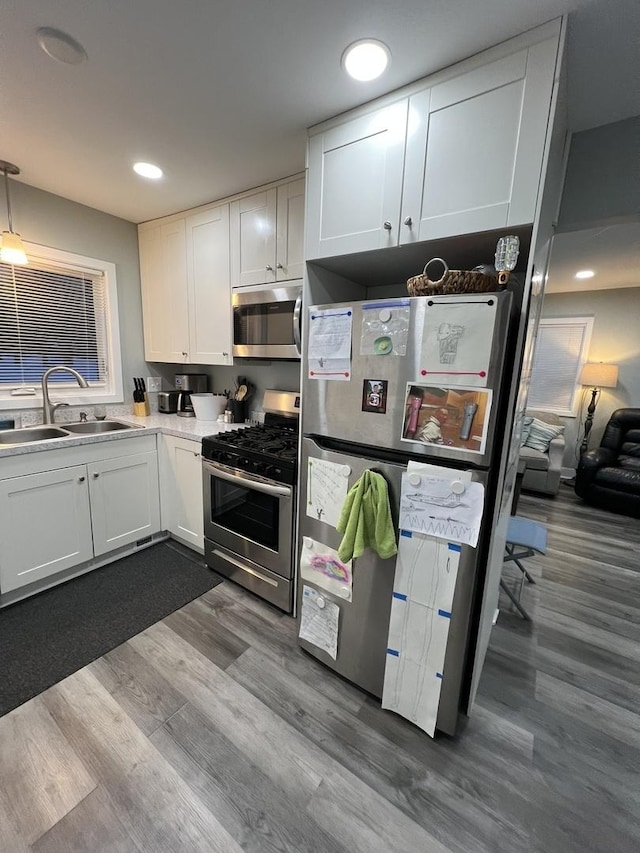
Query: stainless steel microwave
266 321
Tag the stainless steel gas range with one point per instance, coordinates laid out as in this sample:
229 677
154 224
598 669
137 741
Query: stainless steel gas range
249 481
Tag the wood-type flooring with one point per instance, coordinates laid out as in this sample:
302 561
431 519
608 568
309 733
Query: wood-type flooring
211 731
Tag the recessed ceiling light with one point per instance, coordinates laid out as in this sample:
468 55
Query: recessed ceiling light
366 59
148 170
61 46
585 274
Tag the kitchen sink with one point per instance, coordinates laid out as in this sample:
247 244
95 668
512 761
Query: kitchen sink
96 427
29 434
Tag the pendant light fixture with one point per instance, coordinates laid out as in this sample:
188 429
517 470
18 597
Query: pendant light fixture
11 249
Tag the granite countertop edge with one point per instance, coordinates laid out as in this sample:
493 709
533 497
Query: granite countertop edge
188 428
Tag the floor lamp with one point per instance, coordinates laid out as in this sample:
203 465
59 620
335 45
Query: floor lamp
596 375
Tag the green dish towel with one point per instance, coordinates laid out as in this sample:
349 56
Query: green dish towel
365 519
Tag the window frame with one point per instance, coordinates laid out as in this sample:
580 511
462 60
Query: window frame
587 325
113 390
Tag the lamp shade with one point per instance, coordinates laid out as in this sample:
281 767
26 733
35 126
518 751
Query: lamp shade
599 375
11 249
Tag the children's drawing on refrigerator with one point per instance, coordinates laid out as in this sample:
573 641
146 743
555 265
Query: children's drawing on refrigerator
444 507
455 416
457 340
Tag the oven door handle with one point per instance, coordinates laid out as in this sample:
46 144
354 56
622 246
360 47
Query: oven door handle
296 324
241 478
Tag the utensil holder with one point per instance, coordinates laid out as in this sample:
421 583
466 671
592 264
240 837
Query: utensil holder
238 410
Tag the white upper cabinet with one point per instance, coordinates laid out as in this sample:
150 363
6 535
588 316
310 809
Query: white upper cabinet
290 231
163 275
267 235
475 147
186 295
355 183
209 291
461 152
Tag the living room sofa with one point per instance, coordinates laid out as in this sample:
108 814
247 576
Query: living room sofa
543 469
609 477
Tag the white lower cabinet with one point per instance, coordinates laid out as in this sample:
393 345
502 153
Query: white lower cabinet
45 525
125 504
62 508
181 490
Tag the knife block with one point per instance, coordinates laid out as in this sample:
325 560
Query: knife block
142 410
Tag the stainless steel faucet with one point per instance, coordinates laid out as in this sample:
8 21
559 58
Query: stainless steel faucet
49 408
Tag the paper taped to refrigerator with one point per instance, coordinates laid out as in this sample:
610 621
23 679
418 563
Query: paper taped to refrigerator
457 340
327 486
319 621
445 507
423 592
329 349
416 651
322 566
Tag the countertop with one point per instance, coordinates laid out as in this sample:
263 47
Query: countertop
190 428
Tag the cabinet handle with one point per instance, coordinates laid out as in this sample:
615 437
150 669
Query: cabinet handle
197 455
95 475
408 222
81 479
269 268
225 354
279 266
184 354
387 225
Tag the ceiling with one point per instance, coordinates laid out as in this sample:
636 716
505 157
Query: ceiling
219 93
613 253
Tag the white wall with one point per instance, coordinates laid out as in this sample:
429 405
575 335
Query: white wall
615 340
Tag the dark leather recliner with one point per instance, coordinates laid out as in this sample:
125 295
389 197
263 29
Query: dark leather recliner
609 477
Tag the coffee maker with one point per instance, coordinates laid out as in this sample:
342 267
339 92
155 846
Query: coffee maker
188 384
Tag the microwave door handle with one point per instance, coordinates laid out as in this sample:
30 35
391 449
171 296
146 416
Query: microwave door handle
243 479
296 324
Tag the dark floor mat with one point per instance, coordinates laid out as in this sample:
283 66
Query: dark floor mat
51 635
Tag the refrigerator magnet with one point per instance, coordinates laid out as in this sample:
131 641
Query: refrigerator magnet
374 396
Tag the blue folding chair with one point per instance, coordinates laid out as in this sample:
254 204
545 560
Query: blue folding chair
532 537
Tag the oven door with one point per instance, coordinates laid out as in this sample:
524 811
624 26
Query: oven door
249 516
266 321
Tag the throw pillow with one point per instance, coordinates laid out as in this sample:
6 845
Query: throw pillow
526 429
541 433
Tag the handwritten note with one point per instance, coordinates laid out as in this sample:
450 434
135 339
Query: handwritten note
321 565
327 485
329 351
446 507
319 621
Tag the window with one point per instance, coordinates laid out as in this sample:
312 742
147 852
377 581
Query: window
562 347
61 309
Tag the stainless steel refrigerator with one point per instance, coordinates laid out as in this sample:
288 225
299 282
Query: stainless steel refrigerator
425 382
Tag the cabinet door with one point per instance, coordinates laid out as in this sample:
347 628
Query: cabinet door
209 291
45 525
163 276
290 231
253 239
355 183
125 501
480 140
181 491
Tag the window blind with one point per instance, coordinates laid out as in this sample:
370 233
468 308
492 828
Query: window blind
52 315
561 350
